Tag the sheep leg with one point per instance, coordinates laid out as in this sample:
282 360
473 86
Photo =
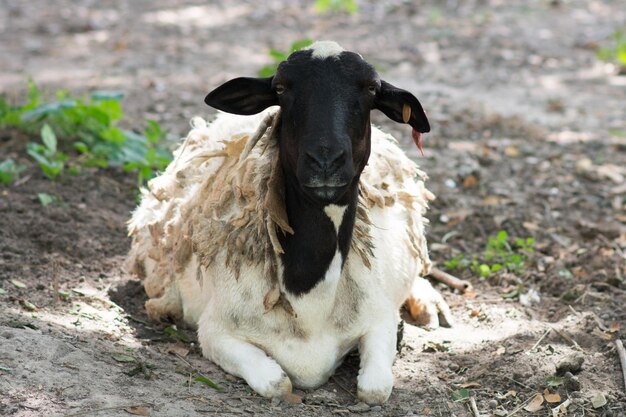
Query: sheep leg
246 361
377 350
427 306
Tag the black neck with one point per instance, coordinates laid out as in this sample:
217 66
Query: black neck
312 247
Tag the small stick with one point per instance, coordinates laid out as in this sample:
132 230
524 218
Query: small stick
55 279
474 407
522 405
517 382
344 388
568 339
539 341
622 358
116 407
450 281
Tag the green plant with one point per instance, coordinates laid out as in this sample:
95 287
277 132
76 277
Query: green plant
349 6
616 51
88 126
498 255
50 160
9 171
47 199
280 56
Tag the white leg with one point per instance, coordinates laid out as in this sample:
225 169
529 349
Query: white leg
377 350
246 361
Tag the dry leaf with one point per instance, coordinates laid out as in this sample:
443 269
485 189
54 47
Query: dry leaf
470 385
535 404
491 200
138 410
551 398
292 398
470 181
511 151
177 349
598 401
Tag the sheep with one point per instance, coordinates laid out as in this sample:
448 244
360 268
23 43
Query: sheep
290 230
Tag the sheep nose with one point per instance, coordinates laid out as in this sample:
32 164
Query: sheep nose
327 160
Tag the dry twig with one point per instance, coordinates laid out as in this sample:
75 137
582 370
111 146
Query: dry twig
336 381
55 279
450 281
622 358
474 407
568 339
539 341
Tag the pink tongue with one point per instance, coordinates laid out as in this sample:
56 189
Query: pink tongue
417 138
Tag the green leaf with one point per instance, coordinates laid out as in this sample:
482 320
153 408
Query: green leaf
208 382
460 395
81 147
267 71
173 331
502 236
107 95
47 109
153 132
554 382
300 44
49 138
114 135
112 108
47 199
484 270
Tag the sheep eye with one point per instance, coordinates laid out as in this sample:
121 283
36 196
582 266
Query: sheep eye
279 89
372 89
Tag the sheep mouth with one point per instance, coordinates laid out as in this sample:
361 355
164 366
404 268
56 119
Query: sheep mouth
326 194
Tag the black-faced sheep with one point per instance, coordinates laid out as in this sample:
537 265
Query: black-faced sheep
293 236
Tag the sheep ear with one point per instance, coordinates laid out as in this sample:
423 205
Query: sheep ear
401 106
243 96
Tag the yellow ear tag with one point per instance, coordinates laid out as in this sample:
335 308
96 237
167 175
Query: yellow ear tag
406 113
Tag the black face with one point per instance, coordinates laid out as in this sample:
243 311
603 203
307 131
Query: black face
325 129
325 117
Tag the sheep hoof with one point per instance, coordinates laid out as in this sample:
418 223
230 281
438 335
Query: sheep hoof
374 388
279 388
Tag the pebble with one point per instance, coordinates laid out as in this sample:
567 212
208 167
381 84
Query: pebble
572 383
453 367
493 404
359 407
571 363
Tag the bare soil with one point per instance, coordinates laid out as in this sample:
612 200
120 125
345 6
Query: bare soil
529 136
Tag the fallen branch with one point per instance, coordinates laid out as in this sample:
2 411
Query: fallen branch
622 358
450 281
474 407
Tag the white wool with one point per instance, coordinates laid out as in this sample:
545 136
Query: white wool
247 322
325 49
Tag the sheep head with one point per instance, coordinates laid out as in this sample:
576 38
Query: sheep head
325 94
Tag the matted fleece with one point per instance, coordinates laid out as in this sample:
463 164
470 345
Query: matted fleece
224 191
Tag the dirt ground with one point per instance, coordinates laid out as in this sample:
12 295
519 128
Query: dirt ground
529 136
